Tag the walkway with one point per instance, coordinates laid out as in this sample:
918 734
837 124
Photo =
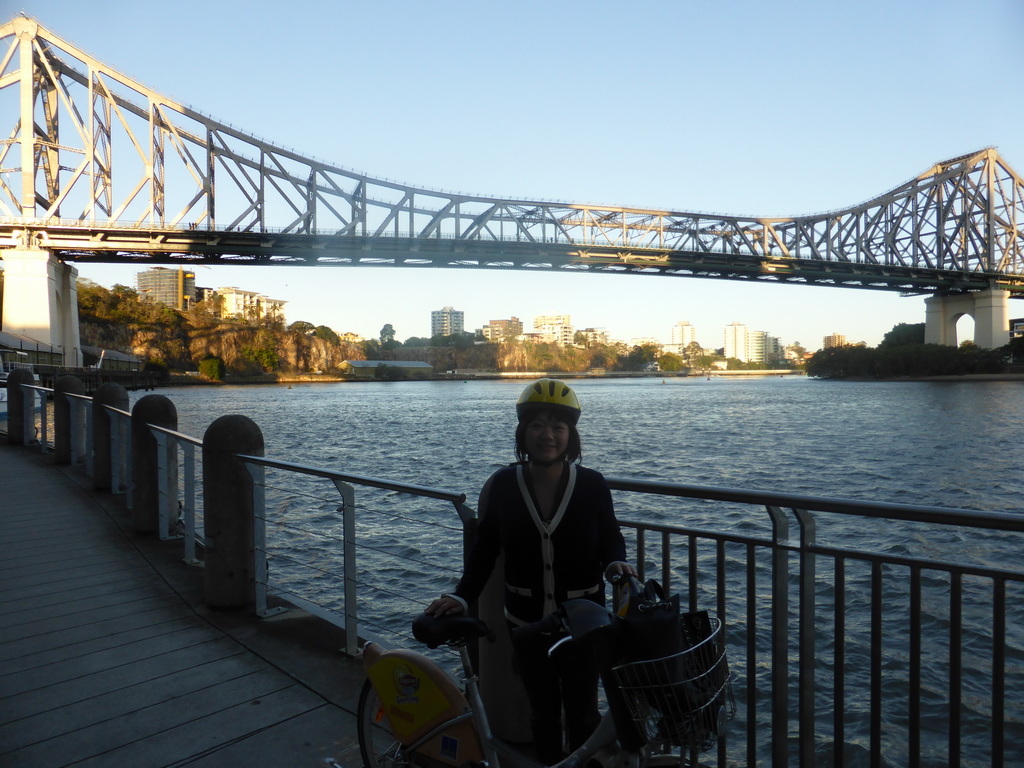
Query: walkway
109 658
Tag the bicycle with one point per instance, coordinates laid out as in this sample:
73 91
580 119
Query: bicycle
412 714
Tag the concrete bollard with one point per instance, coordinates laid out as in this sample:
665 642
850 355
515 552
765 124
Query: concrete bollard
160 411
115 396
62 414
19 432
228 511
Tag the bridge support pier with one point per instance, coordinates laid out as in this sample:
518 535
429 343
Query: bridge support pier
988 308
41 301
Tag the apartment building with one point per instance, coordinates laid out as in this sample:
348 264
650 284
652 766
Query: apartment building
446 321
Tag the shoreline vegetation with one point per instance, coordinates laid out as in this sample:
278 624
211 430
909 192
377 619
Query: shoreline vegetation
261 349
185 380
196 347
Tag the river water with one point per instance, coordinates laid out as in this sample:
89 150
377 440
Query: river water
951 444
944 444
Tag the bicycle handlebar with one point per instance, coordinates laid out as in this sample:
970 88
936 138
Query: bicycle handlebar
434 632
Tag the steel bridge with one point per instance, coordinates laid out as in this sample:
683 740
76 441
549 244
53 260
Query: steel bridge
96 167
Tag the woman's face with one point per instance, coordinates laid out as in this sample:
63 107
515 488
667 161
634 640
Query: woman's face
546 438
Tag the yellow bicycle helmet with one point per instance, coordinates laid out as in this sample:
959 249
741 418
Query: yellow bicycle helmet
549 394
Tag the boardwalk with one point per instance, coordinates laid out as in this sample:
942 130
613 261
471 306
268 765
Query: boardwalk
108 657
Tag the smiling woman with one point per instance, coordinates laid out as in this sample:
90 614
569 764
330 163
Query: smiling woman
554 523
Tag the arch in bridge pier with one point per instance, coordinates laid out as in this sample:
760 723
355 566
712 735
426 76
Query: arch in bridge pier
988 308
41 300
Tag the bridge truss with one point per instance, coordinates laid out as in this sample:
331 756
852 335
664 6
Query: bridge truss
97 167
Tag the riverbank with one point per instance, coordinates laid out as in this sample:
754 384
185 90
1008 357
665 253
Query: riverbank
185 380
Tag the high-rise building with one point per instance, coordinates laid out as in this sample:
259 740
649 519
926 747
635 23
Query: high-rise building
683 334
835 340
498 330
446 322
749 346
174 287
736 341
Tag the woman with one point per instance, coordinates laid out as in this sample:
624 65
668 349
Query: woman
555 524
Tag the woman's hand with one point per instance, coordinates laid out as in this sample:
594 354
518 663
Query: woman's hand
445 606
621 569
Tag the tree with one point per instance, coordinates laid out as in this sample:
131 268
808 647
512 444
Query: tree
692 352
324 333
670 362
212 368
302 327
387 334
903 334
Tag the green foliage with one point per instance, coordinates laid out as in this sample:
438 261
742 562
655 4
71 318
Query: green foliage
903 334
671 363
637 358
909 360
302 327
390 373
212 368
324 333
1015 350
263 351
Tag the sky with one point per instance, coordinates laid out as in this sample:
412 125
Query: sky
744 108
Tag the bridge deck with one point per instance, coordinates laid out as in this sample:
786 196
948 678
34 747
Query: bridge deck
109 658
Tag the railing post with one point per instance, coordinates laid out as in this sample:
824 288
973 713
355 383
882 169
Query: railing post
261 573
90 431
229 577
103 425
20 430
348 517
154 493
44 437
189 506
807 637
65 434
780 636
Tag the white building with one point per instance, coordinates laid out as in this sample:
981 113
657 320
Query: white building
751 346
446 321
555 329
248 305
684 334
736 341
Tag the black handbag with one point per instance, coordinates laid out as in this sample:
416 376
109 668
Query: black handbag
651 623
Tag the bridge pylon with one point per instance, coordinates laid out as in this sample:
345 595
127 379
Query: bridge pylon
990 310
41 301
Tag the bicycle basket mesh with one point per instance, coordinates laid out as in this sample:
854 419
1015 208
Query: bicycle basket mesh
685 698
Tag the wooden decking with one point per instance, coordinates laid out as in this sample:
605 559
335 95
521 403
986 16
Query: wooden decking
109 658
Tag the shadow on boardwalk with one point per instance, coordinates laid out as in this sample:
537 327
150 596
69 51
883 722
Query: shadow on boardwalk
109 658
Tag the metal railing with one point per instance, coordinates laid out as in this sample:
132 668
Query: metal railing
178 498
853 638
345 485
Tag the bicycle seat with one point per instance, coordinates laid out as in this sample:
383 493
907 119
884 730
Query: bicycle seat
433 631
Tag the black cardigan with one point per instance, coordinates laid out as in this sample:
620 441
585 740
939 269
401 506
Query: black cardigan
545 563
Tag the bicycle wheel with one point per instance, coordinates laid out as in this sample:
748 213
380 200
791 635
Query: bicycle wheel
377 744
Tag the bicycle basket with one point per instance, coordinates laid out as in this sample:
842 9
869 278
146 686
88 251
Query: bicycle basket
685 698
